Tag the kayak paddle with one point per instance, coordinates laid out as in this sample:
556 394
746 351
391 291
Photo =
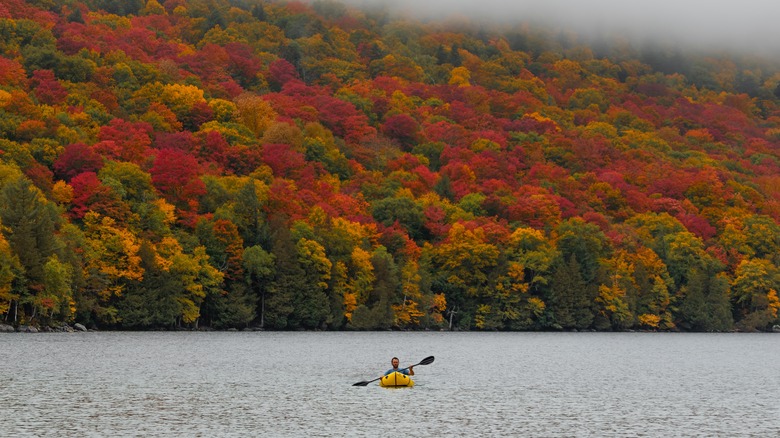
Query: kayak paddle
427 361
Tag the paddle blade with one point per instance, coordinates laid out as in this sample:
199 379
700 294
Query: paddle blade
364 383
427 361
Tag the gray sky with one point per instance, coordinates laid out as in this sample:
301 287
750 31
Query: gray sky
742 24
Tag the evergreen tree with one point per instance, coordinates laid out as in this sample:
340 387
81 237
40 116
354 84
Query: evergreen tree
259 12
443 188
151 302
75 16
705 304
249 215
442 57
235 309
362 318
586 242
289 277
386 288
259 268
455 58
30 223
570 298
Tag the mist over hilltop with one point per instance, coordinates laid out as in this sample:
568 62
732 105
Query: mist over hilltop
748 25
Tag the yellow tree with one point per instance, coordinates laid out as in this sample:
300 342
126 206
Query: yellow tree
467 258
530 256
181 98
361 279
408 312
256 113
397 66
464 263
311 303
460 76
56 298
651 298
284 133
111 260
754 294
611 300
153 7
341 297
197 278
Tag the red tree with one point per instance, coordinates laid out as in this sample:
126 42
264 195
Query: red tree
403 128
125 141
90 194
77 158
48 89
175 175
281 72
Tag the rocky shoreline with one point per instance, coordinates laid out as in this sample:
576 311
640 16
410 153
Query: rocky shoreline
65 328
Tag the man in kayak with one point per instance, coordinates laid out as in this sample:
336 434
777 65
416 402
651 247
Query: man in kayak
408 371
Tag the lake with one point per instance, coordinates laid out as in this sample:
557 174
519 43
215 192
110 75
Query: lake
206 384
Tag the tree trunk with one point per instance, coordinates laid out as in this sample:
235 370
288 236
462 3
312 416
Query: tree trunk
262 309
452 313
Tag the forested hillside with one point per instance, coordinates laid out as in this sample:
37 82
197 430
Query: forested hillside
288 165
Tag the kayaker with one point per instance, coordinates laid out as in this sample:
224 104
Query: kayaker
408 371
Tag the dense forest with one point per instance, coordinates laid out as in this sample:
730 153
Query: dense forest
289 165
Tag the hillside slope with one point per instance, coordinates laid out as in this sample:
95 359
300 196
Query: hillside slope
233 163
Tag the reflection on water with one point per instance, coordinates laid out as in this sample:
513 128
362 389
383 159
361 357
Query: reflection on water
300 384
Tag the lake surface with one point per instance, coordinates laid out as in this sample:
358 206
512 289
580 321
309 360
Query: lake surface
300 384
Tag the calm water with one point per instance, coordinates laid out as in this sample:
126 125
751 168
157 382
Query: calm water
299 384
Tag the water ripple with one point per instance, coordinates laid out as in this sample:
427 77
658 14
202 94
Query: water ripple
299 384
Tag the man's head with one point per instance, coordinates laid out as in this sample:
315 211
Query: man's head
394 362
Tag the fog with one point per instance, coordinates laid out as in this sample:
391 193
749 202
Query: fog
752 25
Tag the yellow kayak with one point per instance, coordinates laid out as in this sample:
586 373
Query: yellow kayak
396 380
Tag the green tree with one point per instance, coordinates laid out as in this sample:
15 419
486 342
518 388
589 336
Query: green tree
151 302
249 211
56 298
259 270
401 209
234 308
586 242
289 278
763 236
684 253
386 287
570 297
705 302
29 223
10 270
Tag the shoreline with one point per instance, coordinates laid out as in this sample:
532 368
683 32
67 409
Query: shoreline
79 328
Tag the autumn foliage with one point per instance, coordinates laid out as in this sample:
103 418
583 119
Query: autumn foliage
291 165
